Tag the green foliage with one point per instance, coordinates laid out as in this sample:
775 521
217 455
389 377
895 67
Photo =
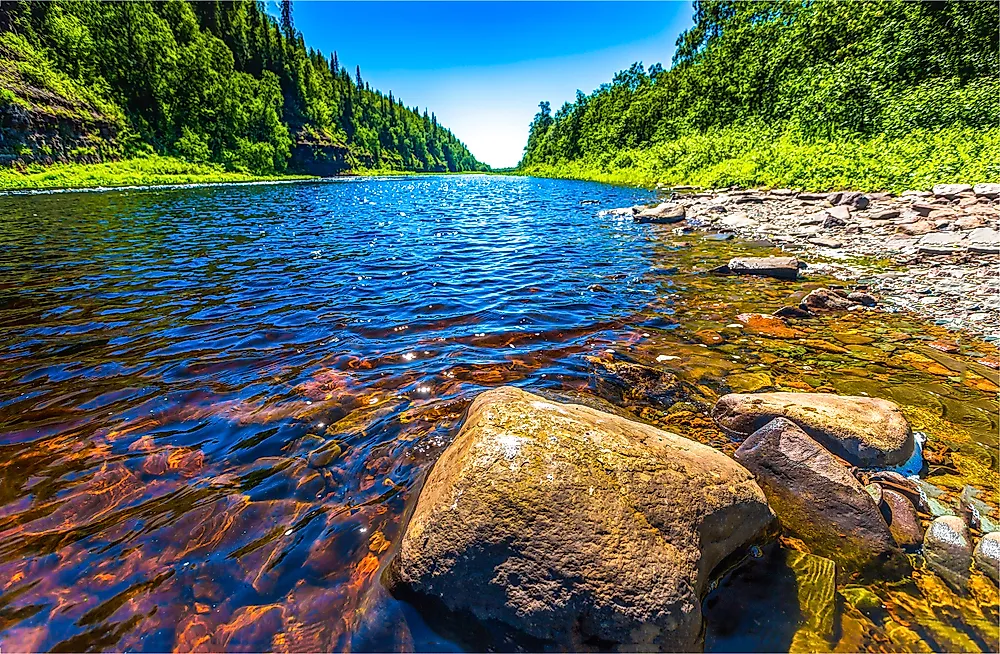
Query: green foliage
139 171
216 81
795 79
754 155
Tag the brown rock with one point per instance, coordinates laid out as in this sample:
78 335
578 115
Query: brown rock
917 228
816 497
865 431
902 518
567 525
759 323
887 214
823 299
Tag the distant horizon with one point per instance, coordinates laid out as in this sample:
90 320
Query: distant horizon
483 67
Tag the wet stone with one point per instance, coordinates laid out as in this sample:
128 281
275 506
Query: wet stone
948 550
823 299
987 555
633 384
778 267
977 513
902 518
864 299
666 212
865 431
821 502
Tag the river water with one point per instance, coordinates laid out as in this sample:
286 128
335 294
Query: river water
217 403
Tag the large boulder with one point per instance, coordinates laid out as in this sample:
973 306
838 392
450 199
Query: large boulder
865 431
558 523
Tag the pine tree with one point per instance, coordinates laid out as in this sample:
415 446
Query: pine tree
286 18
358 73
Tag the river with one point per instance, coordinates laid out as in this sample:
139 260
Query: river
217 403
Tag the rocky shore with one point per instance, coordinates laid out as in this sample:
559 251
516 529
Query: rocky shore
931 252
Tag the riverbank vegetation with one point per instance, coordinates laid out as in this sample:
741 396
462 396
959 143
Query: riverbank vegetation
817 95
150 170
217 83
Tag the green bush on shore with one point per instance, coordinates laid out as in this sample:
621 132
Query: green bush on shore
752 155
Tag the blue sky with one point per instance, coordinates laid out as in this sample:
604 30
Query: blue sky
483 67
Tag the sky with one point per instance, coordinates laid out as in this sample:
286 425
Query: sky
483 67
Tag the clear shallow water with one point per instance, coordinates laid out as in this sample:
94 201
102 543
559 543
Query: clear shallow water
216 403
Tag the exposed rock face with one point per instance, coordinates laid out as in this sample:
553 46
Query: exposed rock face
665 212
315 154
779 267
865 431
561 523
904 524
987 555
815 496
948 550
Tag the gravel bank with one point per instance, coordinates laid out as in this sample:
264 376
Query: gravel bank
935 253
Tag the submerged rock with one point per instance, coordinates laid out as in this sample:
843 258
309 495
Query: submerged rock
948 550
865 431
987 555
557 523
904 524
815 496
635 384
778 267
977 513
823 299
862 298
665 212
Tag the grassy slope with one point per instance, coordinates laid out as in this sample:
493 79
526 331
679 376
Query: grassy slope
755 156
146 171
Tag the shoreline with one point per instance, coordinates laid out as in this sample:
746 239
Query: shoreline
284 179
933 253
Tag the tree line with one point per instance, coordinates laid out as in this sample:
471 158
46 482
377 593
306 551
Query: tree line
822 68
223 81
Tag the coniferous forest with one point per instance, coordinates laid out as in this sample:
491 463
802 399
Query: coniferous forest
815 94
219 82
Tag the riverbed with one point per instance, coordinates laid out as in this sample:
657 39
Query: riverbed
217 404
